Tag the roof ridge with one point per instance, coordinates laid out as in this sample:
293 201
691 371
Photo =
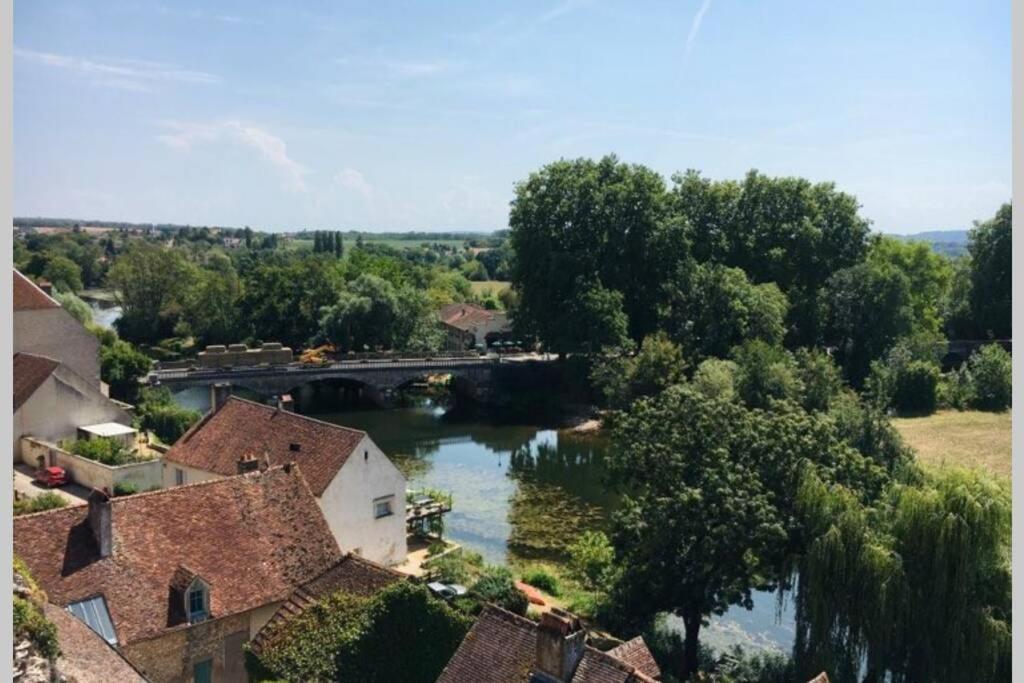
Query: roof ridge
505 615
37 355
298 415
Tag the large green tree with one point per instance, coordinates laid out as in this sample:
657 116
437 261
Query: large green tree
211 304
991 247
782 230
713 308
583 225
149 283
868 306
707 512
928 273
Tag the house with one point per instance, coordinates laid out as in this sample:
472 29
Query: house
468 325
361 492
352 574
502 647
179 580
52 400
44 328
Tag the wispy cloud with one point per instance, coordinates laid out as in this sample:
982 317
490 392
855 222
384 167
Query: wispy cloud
184 135
127 74
351 179
695 24
402 69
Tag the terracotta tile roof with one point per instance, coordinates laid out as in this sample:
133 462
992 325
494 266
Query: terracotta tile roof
467 316
243 429
502 648
635 653
29 374
351 574
84 656
253 538
28 297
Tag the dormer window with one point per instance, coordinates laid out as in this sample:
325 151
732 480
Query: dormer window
197 602
294 447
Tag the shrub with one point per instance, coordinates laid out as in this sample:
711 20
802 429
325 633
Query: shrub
541 579
40 503
159 413
915 390
991 373
820 376
102 450
30 623
765 372
496 585
590 559
125 488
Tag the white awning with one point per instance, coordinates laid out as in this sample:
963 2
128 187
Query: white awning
108 429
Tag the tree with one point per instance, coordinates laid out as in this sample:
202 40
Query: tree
928 273
782 230
339 245
916 588
211 304
121 366
583 224
991 247
716 378
868 307
714 308
282 301
496 586
64 274
622 378
708 493
149 284
991 377
765 373
820 377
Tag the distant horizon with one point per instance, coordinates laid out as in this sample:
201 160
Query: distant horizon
396 117
94 222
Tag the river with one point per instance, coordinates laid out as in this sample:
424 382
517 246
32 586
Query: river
520 492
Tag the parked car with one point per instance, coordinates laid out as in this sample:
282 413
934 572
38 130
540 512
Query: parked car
447 591
52 476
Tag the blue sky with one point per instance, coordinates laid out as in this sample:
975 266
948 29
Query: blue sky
423 115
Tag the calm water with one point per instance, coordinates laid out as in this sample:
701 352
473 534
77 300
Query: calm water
520 492
104 313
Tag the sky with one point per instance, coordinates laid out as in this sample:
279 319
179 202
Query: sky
424 115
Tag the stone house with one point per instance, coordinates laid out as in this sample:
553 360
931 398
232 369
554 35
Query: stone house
179 580
468 325
44 328
359 489
52 400
502 647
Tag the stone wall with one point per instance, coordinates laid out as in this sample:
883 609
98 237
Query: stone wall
91 474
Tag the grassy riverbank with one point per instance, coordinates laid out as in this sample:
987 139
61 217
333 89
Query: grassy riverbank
954 438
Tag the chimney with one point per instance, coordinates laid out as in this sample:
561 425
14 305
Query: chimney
248 463
101 521
560 642
46 286
286 402
219 394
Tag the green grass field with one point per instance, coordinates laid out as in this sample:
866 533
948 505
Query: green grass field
493 286
953 438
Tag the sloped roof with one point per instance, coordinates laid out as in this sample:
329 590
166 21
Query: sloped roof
28 297
253 538
244 429
501 647
468 316
29 374
636 654
351 574
84 656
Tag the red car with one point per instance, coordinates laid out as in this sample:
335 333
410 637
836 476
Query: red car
51 476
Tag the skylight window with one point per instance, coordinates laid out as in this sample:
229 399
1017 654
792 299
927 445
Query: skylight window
93 613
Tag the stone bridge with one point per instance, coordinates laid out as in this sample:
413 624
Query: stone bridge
381 377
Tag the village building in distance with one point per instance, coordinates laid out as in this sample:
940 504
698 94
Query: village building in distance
358 488
469 325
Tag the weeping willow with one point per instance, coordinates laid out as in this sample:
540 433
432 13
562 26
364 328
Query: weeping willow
916 588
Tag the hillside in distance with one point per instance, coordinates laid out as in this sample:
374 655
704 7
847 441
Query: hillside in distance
950 243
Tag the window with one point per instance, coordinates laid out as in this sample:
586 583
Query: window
202 672
196 603
179 477
382 507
